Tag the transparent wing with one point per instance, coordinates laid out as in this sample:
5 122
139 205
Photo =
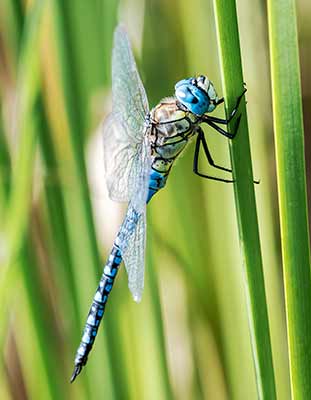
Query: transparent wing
127 166
133 254
126 147
127 156
129 99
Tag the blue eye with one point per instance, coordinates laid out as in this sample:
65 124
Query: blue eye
192 97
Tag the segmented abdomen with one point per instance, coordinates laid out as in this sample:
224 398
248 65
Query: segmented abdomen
156 182
104 288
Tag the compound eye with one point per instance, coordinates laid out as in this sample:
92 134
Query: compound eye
193 82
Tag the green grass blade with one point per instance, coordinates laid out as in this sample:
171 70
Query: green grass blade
43 338
5 173
229 48
75 122
17 217
13 19
289 140
21 186
56 215
29 84
5 168
17 209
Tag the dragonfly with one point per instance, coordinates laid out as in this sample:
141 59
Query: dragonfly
140 148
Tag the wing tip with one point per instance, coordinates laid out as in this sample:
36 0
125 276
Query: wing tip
137 298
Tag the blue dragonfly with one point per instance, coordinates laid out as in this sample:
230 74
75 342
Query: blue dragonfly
140 147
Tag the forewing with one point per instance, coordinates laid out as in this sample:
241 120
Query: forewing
127 166
134 258
129 99
126 147
127 153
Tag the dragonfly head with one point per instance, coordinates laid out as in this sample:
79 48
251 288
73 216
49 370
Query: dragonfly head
197 94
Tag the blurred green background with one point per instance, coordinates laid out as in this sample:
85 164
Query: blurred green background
188 338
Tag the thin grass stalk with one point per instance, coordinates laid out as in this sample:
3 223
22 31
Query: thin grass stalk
56 213
21 187
5 169
289 142
14 24
17 211
5 173
43 337
20 199
232 77
76 126
28 86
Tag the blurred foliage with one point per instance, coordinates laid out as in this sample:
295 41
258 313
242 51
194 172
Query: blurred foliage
290 161
189 337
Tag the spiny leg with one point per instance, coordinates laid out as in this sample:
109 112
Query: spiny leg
212 121
196 160
201 139
197 149
222 131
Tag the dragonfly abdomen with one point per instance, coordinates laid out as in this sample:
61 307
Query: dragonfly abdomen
157 181
97 309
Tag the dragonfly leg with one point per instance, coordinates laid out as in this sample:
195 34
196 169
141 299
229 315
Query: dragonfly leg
201 139
223 131
232 114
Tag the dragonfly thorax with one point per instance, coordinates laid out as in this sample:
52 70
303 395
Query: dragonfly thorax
171 128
